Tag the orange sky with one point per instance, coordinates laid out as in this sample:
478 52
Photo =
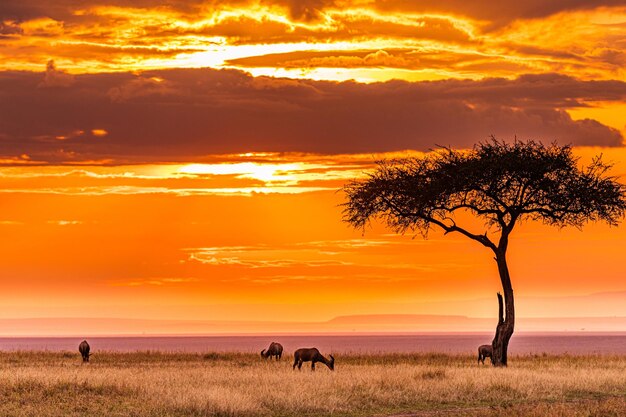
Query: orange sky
181 159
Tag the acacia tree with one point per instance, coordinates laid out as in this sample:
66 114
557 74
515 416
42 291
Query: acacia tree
500 183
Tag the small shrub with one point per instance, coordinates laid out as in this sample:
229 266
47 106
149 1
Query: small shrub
211 356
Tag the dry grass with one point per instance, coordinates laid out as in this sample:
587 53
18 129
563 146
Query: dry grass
215 384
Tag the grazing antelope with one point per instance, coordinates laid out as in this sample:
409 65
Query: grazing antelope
83 348
312 355
485 351
275 350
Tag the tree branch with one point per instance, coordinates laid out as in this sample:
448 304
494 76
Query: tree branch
469 207
483 239
454 228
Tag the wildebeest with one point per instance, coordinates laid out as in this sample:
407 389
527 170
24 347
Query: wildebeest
275 350
485 351
83 348
312 355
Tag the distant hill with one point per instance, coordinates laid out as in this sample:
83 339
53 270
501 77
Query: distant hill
425 322
397 323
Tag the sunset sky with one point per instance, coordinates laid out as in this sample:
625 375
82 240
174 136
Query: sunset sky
181 159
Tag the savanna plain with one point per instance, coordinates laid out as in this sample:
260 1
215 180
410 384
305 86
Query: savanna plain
242 384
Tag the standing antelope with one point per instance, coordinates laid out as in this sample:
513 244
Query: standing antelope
275 350
485 351
83 348
312 355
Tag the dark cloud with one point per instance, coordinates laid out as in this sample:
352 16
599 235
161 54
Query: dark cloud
496 12
7 29
187 113
56 78
303 9
21 10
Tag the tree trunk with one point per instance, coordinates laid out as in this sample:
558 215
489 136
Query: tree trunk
506 324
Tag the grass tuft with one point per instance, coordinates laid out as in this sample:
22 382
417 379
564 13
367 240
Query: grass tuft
433 374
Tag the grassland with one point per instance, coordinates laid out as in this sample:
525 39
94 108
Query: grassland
149 384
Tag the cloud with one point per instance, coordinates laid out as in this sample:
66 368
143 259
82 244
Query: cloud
264 257
153 282
497 14
447 38
343 26
367 258
332 59
10 223
65 222
181 192
410 58
8 28
193 112
56 78
268 174
308 10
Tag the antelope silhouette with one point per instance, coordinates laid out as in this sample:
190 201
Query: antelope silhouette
312 355
275 350
485 351
83 348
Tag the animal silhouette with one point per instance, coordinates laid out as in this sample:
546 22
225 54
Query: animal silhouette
274 351
485 351
84 348
312 355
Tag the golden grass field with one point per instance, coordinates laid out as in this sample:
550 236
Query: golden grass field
237 384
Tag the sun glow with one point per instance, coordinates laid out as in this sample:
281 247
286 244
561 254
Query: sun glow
201 148
263 172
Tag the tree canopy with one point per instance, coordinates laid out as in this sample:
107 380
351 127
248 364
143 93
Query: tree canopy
499 182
